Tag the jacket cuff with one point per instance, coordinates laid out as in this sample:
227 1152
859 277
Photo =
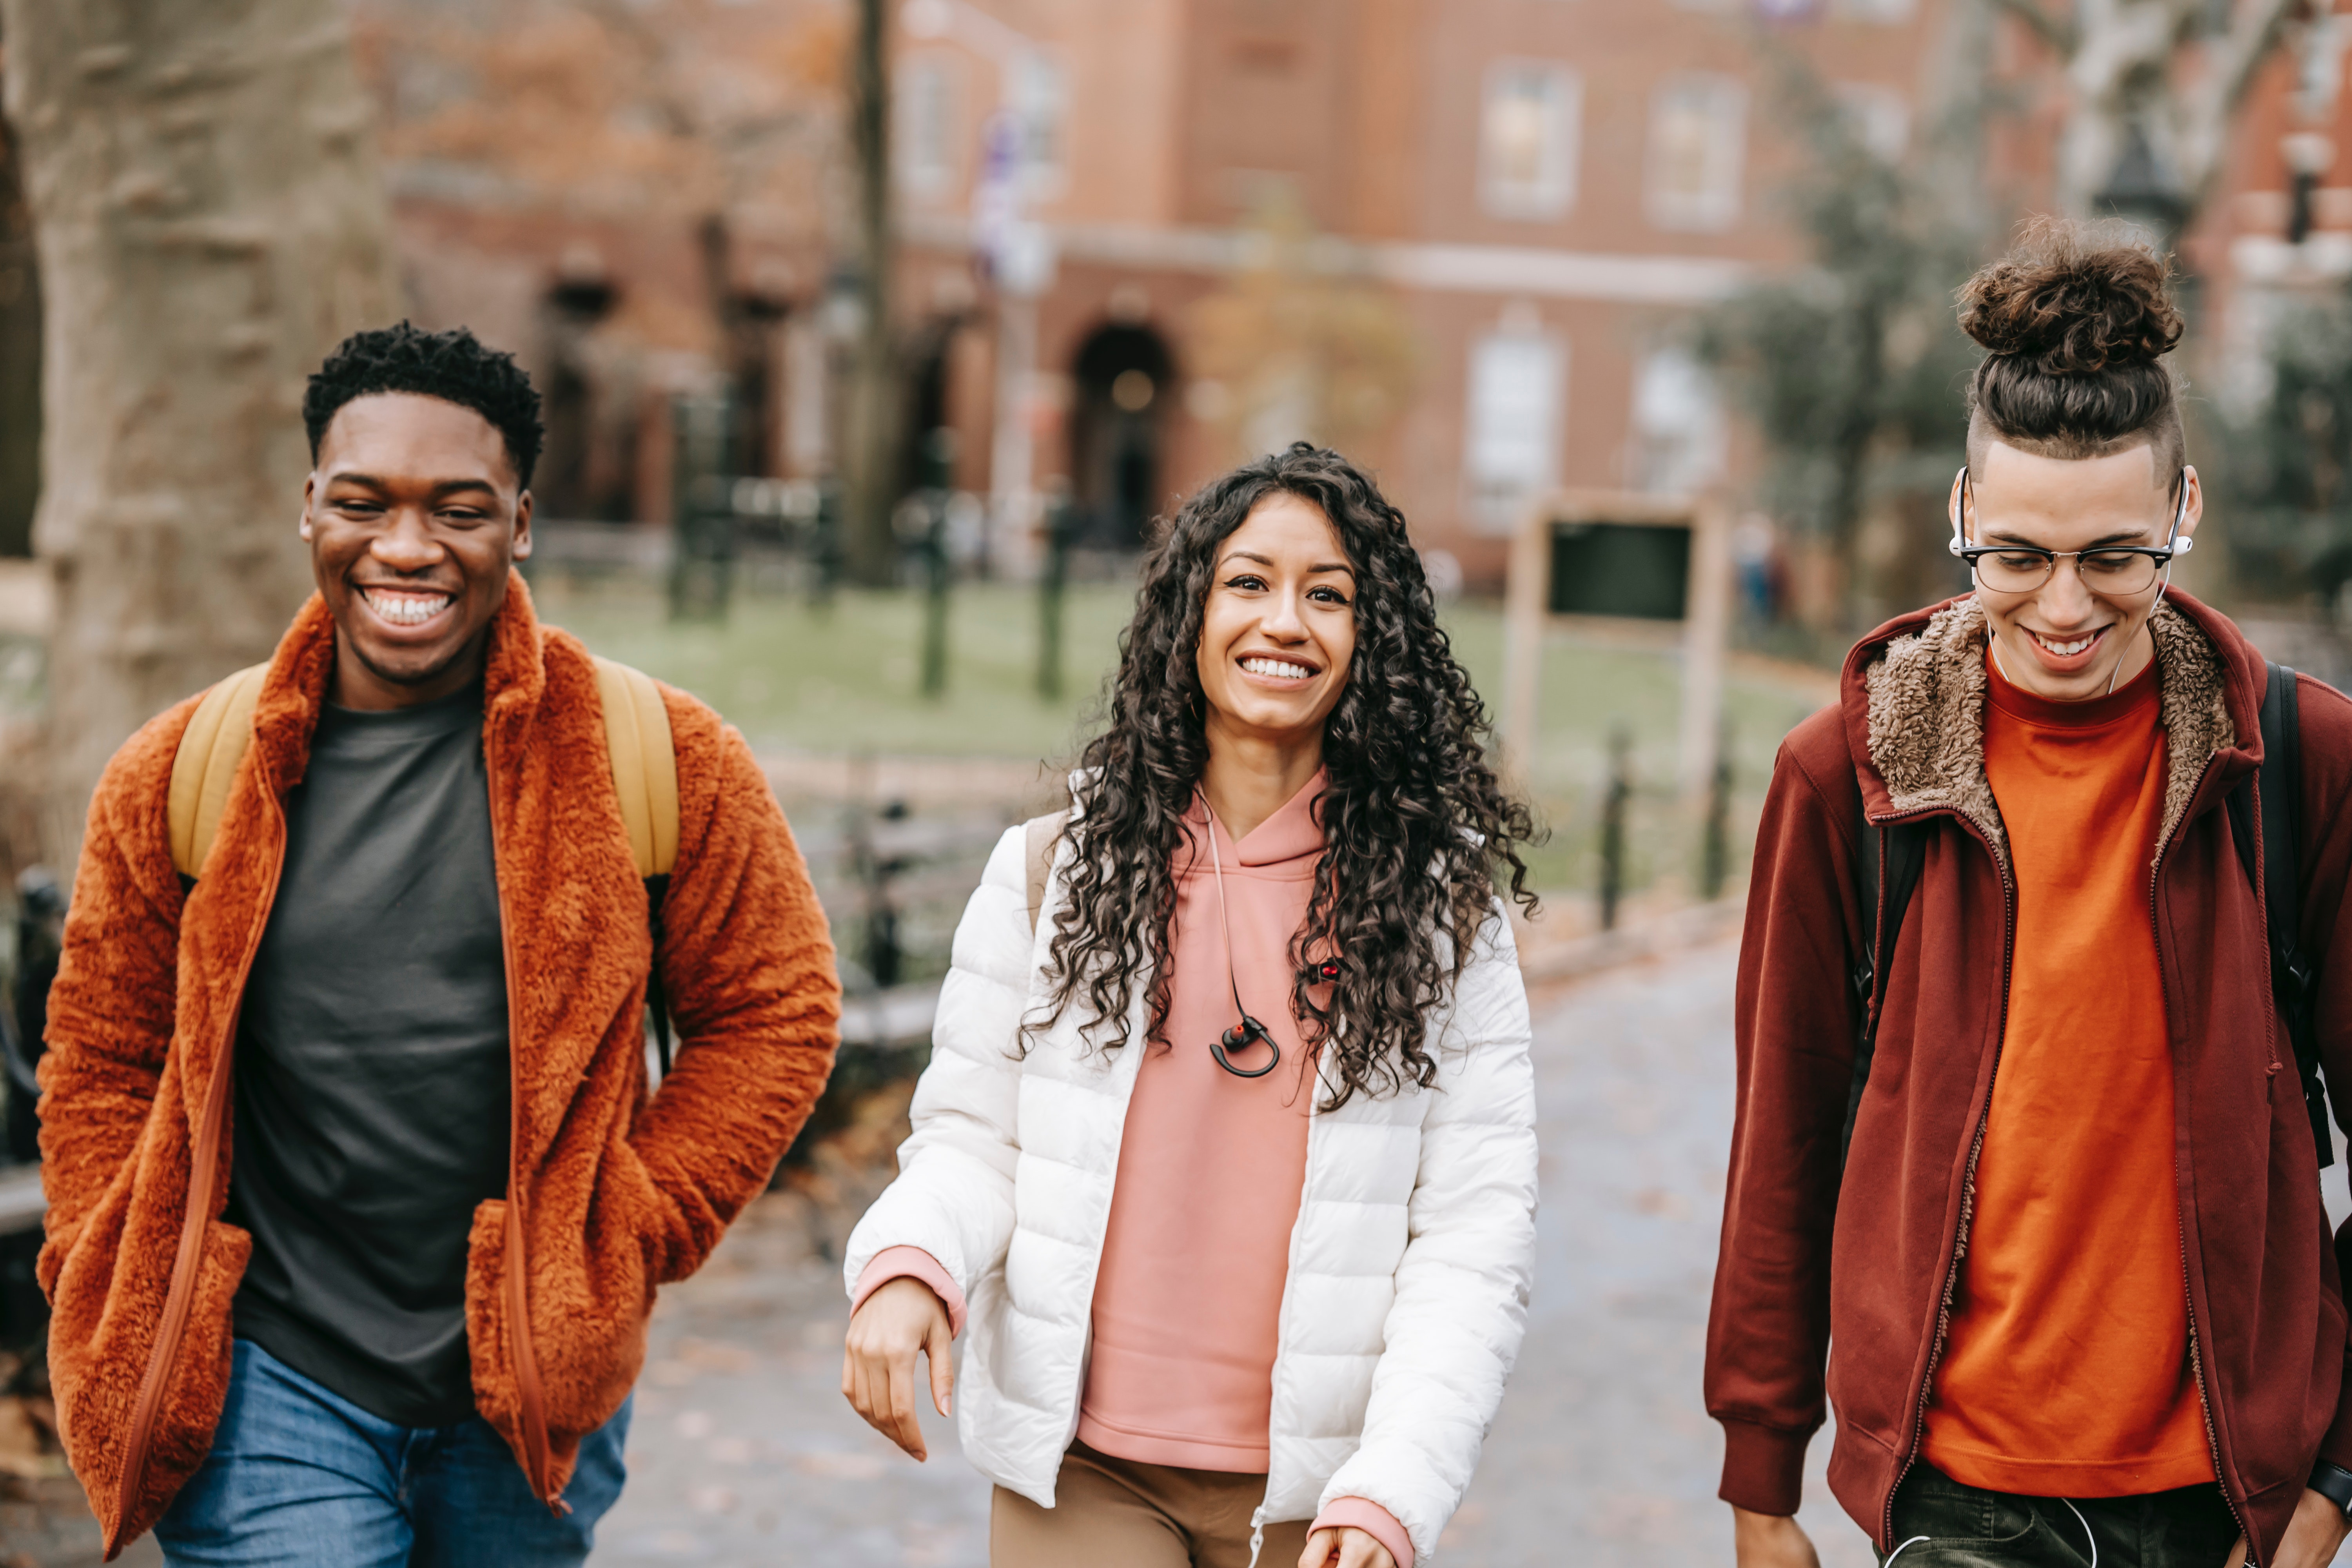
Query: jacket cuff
910 1263
2335 1446
1364 1515
1763 1467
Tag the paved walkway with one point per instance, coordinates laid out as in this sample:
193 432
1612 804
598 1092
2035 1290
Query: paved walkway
743 1452
744 1455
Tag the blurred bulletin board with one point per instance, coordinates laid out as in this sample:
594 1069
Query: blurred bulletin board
1623 560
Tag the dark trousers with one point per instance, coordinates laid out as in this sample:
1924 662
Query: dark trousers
1943 1523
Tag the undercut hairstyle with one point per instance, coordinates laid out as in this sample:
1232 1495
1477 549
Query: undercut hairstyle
2076 323
1417 828
453 366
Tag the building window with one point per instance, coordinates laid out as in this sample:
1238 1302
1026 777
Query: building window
1889 11
1679 425
929 129
1040 104
1698 133
1518 382
1528 140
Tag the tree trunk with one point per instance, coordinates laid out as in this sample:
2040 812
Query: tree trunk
20 359
870 429
210 221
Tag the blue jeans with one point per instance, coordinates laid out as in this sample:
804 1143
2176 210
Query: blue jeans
301 1478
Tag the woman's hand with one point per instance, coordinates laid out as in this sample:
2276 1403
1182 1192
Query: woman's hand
1346 1547
877 1360
1770 1540
2311 1536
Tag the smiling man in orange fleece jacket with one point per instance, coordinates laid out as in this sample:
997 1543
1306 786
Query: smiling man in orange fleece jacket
390 1310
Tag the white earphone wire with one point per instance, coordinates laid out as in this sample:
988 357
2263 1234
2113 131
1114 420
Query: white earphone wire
2086 1528
1217 866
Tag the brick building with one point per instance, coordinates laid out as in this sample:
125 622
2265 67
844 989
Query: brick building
2282 229
1139 238
1538 193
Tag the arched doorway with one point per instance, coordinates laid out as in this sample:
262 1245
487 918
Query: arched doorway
926 456
1124 377
587 465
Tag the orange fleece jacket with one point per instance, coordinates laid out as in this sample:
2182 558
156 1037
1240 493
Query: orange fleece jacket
620 1191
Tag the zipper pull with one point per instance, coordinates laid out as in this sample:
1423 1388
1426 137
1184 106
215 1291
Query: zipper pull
1257 1534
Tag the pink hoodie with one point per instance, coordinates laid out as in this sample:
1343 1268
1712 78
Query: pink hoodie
1189 1295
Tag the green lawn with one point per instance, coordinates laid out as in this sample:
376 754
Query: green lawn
844 679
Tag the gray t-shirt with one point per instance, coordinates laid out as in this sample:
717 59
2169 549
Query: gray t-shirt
373 1075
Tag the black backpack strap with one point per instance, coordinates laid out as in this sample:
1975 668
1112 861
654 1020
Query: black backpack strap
657 1004
2278 789
1887 871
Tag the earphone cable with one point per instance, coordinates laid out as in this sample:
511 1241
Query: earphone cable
1224 928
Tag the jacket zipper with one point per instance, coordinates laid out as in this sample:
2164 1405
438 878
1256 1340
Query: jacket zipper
204 1187
1290 1272
1968 1175
537 1458
1968 1203
2179 1219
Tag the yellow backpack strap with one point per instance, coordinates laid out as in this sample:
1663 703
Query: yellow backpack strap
205 765
645 763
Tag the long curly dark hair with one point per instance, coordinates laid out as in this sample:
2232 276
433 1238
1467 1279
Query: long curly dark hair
1416 825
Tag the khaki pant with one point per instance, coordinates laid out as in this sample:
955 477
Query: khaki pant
1117 1513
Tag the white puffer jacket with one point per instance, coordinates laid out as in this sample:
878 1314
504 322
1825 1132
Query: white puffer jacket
1410 1262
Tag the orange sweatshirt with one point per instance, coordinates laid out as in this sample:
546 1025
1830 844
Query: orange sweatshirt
2066 1372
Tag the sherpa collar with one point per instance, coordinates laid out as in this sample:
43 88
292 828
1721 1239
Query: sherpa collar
1926 717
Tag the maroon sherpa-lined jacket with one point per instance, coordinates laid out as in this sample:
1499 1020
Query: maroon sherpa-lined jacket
1853 1271
611 1192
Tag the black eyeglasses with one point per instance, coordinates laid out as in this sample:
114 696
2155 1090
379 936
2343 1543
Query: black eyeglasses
2121 569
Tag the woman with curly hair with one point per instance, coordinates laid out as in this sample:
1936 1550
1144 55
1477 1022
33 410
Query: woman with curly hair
1225 1159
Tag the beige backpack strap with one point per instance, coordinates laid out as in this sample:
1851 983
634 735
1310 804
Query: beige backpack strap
1039 835
205 765
645 763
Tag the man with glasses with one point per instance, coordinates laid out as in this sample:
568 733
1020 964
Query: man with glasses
2031 1192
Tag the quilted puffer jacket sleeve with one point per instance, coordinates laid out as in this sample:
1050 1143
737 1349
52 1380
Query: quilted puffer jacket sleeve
1462 1287
954 1197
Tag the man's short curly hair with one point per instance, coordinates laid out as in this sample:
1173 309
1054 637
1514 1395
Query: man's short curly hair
453 366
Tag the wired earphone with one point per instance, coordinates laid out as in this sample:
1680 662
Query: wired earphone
1249 1032
2175 546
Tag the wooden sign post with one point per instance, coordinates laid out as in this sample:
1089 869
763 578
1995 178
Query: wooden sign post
1624 560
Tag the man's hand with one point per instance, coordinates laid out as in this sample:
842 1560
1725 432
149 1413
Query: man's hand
878 1361
2314 1532
1770 1540
1346 1547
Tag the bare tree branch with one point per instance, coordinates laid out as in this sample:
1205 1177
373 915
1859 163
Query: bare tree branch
2254 33
2058 32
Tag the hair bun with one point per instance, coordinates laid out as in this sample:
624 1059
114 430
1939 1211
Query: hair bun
2073 305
